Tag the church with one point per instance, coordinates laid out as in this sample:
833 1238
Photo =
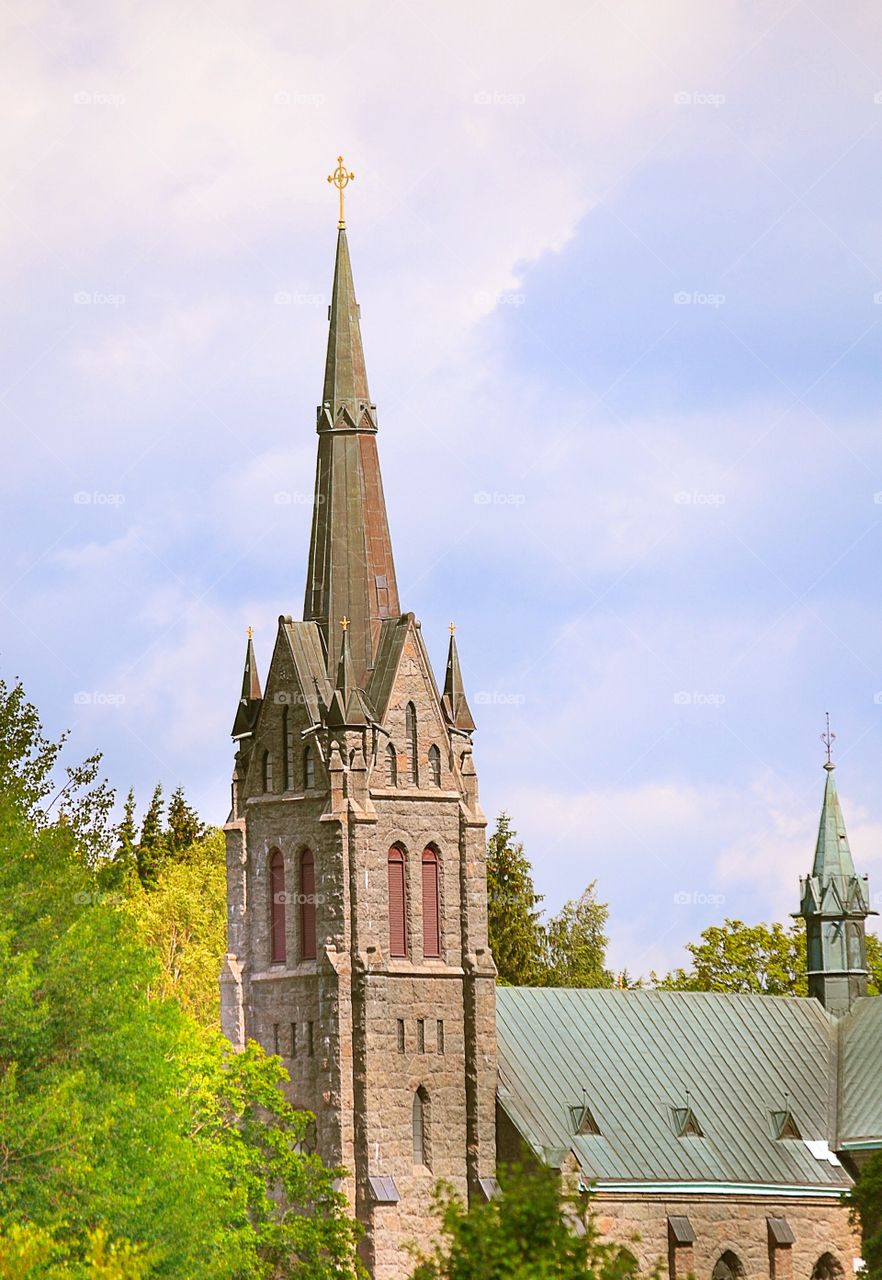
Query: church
716 1133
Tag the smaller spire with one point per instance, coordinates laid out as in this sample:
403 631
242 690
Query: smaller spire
251 696
456 708
348 705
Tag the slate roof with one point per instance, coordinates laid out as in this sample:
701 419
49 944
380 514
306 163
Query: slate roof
860 1107
637 1053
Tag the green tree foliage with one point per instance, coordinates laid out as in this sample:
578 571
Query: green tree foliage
515 928
760 959
530 1232
184 825
866 1201
182 919
135 1143
575 944
151 847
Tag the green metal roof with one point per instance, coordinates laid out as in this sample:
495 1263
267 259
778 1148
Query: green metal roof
634 1056
861 1101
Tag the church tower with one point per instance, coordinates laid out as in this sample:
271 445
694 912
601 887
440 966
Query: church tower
835 902
356 858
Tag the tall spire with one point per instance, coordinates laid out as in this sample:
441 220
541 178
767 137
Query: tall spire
456 709
351 572
835 904
251 696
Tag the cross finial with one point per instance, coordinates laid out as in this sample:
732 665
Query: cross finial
453 628
344 623
250 632
340 178
828 739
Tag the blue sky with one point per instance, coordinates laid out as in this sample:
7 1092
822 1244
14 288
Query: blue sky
621 285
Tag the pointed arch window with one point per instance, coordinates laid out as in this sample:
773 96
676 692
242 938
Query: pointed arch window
287 748
308 768
410 729
266 772
307 905
277 907
397 903
391 766
431 912
435 765
421 1132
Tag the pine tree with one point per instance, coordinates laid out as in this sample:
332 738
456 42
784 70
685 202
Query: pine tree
184 824
151 846
513 916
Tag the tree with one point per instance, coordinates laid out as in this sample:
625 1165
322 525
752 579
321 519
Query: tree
185 827
575 954
532 1231
515 929
151 845
866 1202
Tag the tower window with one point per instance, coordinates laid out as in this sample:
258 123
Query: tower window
421 1035
293 1039
288 748
391 766
421 1130
310 1039
275 1037
307 905
308 768
277 907
431 913
397 903
401 1035
266 772
410 729
435 765
440 1035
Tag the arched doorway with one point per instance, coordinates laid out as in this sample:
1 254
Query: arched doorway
728 1267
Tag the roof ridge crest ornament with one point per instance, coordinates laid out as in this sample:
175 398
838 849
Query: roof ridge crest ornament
340 178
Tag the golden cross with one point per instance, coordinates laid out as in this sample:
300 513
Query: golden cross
341 177
453 628
250 633
344 623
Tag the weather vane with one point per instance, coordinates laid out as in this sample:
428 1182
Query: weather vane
250 632
340 178
344 623
828 739
453 628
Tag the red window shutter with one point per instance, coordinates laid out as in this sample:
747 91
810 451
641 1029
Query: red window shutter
277 907
431 923
307 906
397 900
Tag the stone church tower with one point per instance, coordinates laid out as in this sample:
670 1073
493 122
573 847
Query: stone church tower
355 855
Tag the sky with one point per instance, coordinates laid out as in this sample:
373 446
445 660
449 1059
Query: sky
620 274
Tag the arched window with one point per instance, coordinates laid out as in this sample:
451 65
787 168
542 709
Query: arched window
391 766
277 907
397 903
431 913
410 730
435 765
421 1131
308 768
288 748
728 1267
266 771
827 1268
307 905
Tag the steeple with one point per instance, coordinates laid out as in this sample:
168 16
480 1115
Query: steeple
348 706
835 902
456 709
251 697
351 572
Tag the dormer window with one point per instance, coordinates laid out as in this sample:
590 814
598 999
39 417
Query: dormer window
784 1125
686 1123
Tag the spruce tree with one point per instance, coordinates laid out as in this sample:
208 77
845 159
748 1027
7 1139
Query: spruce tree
184 824
151 846
512 908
